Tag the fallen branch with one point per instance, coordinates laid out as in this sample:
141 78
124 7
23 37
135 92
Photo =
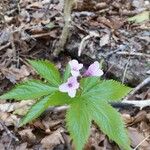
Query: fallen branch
68 5
124 105
5 46
138 103
82 44
134 54
139 86
8 131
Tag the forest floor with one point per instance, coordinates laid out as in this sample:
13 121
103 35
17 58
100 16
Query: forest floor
100 30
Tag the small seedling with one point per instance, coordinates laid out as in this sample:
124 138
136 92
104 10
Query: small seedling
87 95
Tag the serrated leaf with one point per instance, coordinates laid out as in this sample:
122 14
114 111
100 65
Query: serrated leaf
78 123
47 70
67 73
88 83
56 98
110 122
30 89
108 90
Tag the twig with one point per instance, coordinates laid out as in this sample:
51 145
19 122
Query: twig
124 104
68 5
37 36
67 143
56 109
145 82
138 103
126 68
8 131
46 11
141 142
82 44
134 54
5 46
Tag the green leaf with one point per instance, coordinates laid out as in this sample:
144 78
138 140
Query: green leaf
67 73
110 122
56 98
108 90
139 18
30 89
47 70
88 83
78 122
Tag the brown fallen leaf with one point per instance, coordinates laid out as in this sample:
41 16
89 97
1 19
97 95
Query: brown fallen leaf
2 147
136 138
9 119
127 119
141 116
27 135
105 40
22 146
15 74
50 141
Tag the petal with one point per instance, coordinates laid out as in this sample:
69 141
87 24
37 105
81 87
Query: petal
63 87
72 93
80 66
87 73
72 80
73 63
98 73
94 67
75 73
76 86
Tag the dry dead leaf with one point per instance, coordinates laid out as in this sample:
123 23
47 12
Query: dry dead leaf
27 135
7 107
23 107
15 74
38 5
141 116
144 128
50 141
127 118
22 146
2 147
136 138
9 119
104 40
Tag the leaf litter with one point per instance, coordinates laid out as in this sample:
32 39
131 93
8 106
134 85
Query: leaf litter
33 32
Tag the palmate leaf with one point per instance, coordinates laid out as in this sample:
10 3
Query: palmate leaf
54 99
88 83
47 70
110 122
108 90
67 73
78 122
30 89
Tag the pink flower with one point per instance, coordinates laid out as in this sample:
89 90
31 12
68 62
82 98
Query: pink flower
75 67
70 86
94 70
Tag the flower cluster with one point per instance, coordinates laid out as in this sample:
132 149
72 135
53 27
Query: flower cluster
72 83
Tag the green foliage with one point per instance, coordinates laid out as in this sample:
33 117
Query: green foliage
108 90
54 99
78 122
110 122
88 83
47 70
67 73
141 17
90 104
30 89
